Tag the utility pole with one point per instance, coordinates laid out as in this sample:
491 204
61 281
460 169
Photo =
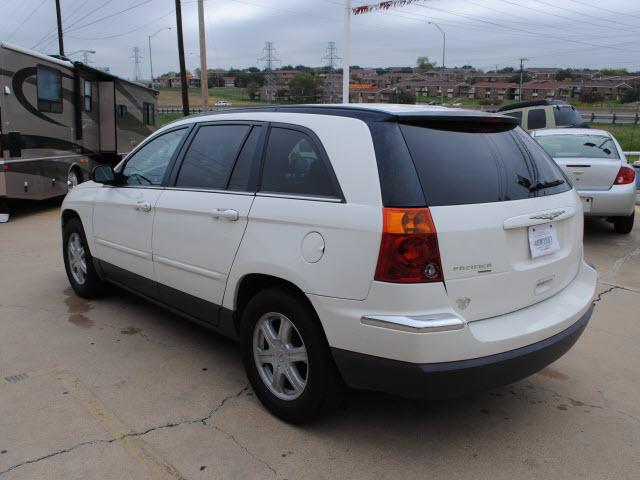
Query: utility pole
444 46
136 61
151 59
204 77
269 59
331 56
522 60
183 68
347 51
60 40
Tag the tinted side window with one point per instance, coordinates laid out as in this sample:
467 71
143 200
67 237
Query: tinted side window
479 163
536 118
148 165
49 83
293 165
211 155
241 178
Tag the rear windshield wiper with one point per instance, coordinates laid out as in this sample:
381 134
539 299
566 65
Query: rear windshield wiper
543 185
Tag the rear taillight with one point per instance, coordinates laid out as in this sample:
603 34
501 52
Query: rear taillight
409 248
625 176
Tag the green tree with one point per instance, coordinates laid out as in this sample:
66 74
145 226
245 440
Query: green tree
252 89
564 74
515 78
304 88
423 64
403 96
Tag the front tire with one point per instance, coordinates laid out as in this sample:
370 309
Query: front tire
624 225
287 358
78 261
74 178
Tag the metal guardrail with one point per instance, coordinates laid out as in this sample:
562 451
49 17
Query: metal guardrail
610 118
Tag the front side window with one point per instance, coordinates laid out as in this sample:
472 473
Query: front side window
293 165
88 91
536 118
585 146
49 84
148 165
211 156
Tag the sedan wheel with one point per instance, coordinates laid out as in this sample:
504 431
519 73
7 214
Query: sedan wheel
72 179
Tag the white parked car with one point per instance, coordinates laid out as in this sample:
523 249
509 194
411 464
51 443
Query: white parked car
423 251
223 103
593 160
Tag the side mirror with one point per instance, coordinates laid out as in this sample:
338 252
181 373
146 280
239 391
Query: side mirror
104 174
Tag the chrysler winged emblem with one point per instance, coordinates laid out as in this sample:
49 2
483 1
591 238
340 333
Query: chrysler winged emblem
547 216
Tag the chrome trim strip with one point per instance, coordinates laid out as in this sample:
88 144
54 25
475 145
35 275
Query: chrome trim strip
438 322
122 248
205 190
300 197
189 268
537 218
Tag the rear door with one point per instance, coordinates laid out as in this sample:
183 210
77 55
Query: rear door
591 161
201 217
492 191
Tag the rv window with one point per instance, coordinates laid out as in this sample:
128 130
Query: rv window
148 113
122 110
87 96
49 83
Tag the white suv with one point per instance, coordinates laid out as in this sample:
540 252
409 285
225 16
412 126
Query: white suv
422 251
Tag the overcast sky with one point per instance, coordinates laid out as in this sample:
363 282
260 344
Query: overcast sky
483 33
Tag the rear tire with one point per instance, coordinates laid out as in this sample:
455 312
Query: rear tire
623 224
74 178
78 261
310 386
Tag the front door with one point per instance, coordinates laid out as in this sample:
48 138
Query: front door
201 218
123 214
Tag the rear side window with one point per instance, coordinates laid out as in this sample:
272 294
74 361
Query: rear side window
567 117
211 156
536 118
471 163
294 165
517 115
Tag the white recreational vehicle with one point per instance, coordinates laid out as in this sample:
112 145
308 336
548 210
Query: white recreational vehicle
59 118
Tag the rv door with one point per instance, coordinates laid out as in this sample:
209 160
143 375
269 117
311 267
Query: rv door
106 96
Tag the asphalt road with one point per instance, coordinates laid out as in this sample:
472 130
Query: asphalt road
119 389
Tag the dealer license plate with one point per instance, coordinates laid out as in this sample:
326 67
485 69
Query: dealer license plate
543 240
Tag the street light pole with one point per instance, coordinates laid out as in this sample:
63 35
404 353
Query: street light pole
444 46
150 60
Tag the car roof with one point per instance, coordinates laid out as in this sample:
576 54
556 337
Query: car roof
570 131
371 112
532 103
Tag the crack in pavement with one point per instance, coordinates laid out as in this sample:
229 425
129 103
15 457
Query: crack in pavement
603 293
192 421
232 437
617 265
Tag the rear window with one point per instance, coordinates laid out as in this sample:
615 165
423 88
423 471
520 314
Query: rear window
516 114
466 163
585 146
567 117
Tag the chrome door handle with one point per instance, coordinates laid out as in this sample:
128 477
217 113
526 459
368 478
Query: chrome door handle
227 213
143 206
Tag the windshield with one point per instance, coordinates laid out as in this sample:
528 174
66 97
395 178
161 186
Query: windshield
585 146
470 163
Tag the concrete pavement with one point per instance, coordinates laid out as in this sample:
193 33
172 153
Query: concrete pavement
118 388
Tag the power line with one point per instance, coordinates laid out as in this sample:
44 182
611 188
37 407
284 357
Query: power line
626 14
26 19
633 27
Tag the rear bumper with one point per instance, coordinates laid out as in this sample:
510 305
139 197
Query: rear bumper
618 201
450 379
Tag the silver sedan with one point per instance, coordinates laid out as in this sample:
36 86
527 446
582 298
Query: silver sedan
595 164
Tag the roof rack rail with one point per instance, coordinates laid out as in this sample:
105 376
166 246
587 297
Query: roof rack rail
532 103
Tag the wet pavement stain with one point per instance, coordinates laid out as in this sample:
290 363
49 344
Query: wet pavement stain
550 372
76 309
130 331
